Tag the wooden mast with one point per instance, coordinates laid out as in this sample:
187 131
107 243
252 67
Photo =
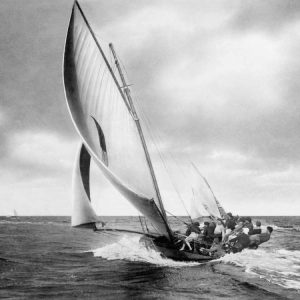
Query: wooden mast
138 124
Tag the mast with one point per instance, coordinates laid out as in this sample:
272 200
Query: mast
138 124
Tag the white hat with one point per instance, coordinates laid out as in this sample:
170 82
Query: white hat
246 230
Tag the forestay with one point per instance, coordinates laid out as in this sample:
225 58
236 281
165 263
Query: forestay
103 119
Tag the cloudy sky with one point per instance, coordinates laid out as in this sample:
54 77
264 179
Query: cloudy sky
218 81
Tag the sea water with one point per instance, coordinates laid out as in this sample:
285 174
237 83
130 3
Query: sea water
43 257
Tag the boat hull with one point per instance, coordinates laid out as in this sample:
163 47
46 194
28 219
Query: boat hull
170 250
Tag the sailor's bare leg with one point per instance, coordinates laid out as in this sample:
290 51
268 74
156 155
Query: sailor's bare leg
188 240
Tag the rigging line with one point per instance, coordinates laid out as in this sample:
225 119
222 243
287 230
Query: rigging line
177 218
116 232
151 134
141 223
155 229
146 225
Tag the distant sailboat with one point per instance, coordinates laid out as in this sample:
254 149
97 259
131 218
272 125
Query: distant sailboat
13 215
105 118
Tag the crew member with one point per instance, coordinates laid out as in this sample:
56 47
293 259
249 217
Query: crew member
219 232
240 242
229 225
195 231
257 239
248 224
257 228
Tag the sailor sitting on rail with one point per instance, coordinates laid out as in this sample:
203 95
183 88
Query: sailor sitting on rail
219 232
257 228
193 235
257 239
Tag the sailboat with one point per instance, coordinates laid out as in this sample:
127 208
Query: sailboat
111 134
14 214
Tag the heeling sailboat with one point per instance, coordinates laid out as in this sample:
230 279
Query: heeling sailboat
105 118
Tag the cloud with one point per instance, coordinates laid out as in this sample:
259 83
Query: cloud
239 98
31 55
42 149
32 154
216 82
270 15
36 173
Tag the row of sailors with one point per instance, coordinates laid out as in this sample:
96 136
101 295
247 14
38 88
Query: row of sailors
232 230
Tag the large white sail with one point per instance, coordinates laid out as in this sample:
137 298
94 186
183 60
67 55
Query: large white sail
203 195
210 192
83 213
195 207
103 119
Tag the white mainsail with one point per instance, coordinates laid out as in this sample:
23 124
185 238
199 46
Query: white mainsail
210 191
221 209
103 119
82 210
195 207
203 196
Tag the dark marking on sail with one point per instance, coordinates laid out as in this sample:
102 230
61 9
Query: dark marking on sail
102 142
85 161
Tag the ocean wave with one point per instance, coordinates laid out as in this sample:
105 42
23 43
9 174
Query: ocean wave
293 228
29 222
281 267
129 248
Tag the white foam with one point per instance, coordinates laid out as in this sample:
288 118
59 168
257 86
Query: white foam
129 248
281 266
